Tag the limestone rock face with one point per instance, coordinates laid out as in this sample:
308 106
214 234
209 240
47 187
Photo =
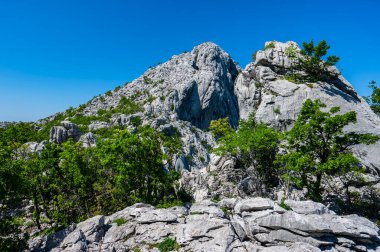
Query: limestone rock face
188 91
196 86
181 95
96 125
252 224
262 89
58 134
33 147
88 140
73 130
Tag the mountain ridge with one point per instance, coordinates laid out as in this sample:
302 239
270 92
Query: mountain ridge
181 97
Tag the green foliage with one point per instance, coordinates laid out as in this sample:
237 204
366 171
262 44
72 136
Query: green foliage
117 88
269 45
284 205
12 189
11 237
226 211
169 244
151 98
135 162
220 127
254 145
123 169
318 147
170 204
120 221
313 62
17 134
295 78
127 106
136 121
291 52
147 80
374 99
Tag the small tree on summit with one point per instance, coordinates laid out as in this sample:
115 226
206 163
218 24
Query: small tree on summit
313 61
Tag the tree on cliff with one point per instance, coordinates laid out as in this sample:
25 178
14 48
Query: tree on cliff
319 147
374 99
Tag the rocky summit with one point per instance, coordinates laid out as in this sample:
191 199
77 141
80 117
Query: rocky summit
183 95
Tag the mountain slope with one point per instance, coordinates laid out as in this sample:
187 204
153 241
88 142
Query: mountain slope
182 96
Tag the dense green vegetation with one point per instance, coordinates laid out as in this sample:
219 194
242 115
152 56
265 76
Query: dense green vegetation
68 183
317 149
220 127
254 145
168 244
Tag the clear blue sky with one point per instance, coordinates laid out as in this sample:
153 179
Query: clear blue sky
61 53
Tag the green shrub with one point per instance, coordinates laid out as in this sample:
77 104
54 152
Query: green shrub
269 45
117 88
253 145
136 121
147 80
226 211
318 148
120 221
283 205
294 78
151 98
314 61
374 99
127 106
220 127
169 244
29 224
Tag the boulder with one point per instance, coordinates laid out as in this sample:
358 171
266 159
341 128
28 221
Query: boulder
157 215
58 134
254 204
73 130
88 140
307 207
96 125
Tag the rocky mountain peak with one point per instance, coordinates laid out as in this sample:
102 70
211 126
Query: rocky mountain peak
274 55
193 88
180 98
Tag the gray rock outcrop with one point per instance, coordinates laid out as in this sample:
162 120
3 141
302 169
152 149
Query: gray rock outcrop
60 134
262 89
88 140
252 224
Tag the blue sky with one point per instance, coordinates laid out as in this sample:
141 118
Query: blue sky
61 53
